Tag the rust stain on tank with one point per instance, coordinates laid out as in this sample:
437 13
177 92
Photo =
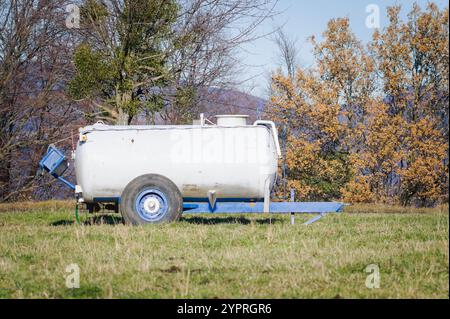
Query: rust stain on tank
190 187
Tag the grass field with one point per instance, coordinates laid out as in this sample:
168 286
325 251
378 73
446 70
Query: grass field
224 256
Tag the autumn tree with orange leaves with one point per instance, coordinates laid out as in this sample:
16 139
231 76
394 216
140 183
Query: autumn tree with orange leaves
370 123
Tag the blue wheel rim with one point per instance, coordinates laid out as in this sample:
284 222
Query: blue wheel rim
151 204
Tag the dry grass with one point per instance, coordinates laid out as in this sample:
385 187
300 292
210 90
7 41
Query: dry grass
390 209
224 256
51 205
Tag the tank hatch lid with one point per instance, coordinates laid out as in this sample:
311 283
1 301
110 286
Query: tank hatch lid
231 120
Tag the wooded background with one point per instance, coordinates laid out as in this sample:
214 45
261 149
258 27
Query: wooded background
365 123
370 123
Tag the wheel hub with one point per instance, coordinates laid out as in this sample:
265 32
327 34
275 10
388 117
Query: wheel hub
151 205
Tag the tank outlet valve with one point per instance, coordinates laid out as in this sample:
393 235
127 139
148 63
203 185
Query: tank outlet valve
78 189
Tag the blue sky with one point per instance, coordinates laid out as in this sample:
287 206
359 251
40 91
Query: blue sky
303 18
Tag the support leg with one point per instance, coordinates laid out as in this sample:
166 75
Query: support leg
267 196
314 219
90 208
292 200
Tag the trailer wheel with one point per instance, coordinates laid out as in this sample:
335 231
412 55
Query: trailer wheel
151 198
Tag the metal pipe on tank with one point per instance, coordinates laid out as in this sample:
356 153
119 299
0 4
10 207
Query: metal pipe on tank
274 132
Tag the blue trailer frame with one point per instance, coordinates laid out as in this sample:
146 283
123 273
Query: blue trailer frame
319 208
54 162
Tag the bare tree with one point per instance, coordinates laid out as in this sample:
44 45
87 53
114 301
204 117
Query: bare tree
288 50
33 109
211 33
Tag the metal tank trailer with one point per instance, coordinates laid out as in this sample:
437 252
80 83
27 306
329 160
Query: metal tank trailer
153 174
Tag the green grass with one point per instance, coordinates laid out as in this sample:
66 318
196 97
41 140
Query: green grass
224 256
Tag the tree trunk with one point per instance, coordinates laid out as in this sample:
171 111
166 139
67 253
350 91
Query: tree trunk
122 102
5 168
122 118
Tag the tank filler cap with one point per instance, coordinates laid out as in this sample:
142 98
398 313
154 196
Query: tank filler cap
231 120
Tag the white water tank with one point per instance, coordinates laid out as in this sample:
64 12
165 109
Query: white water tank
231 160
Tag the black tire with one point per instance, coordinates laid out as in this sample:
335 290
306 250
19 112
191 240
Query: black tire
160 192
